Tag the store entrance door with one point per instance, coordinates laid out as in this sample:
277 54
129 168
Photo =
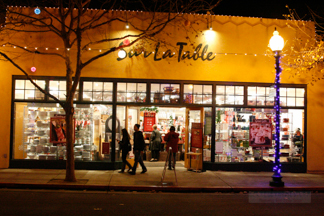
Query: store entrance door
193 115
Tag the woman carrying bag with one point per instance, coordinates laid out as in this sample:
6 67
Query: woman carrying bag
125 146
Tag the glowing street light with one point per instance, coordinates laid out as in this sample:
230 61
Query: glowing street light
276 44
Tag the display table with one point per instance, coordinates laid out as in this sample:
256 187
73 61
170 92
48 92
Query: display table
190 154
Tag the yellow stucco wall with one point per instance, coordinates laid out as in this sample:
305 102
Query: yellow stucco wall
232 35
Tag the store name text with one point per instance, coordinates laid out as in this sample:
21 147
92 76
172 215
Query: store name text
199 53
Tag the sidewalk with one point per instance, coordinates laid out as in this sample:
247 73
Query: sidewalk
209 181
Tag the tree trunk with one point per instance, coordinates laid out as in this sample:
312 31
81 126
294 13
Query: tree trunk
70 174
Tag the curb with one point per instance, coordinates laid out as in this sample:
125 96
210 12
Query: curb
174 189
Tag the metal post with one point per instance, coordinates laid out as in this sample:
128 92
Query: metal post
276 177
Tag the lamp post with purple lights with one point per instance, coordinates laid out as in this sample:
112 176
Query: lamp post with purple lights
276 44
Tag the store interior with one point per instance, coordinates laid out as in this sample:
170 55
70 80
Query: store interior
93 130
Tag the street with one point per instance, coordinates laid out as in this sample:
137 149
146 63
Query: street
61 202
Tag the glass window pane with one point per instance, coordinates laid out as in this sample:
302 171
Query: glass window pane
141 87
131 87
252 91
188 88
41 83
299 101
270 101
39 95
20 84
207 99
291 102
140 97
188 98
251 100
121 87
198 89
220 100
62 95
291 92
300 92
107 96
121 97
30 94
97 86
76 95
108 86
230 99
97 96
19 94
155 87
239 90
63 85
176 88
29 85
239 100
197 99
54 85
166 88
87 96
283 91
220 90
261 91
131 97
87 86
56 94
283 101
230 90
260 101
208 89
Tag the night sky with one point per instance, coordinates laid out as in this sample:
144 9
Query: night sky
268 8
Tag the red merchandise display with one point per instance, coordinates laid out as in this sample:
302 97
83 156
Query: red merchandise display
196 135
105 148
149 121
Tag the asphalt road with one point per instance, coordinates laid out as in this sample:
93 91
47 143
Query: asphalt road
42 202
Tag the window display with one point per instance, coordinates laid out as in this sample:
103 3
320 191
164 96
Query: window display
234 143
35 141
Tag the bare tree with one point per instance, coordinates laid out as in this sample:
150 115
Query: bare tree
305 58
73 23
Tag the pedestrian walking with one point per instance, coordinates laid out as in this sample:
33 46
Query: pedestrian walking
138 147
172 139
155 143
125 146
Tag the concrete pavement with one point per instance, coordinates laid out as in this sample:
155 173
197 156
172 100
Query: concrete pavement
209 181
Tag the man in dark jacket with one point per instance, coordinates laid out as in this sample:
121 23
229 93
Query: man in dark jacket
138 147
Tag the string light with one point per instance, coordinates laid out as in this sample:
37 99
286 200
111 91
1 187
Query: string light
186 52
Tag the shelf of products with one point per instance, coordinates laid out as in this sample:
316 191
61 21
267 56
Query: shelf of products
36 134
232 132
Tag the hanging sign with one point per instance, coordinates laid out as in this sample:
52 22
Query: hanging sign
219 148
105 148
261 133
149 121
196 135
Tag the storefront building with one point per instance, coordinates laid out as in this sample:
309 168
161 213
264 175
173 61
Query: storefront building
225 91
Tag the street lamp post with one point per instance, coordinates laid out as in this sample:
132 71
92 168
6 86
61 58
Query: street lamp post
276 44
